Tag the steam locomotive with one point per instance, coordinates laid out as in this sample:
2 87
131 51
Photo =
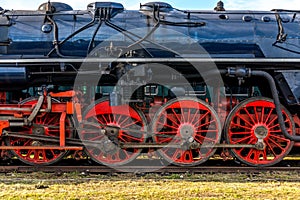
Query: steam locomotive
114 83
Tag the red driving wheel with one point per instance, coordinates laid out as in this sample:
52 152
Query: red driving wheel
44 124
256 119
186 119
108 150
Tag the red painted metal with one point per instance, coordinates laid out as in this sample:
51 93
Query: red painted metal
70 93
242 125
62 129
182 119
52 120
108 152
78 111
35 148
70 108
3 125
37 152
2 97
57 107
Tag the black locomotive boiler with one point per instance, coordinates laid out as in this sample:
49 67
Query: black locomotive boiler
115 83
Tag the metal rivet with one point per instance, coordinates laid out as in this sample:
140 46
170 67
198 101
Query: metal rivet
247 18
266 19
47 28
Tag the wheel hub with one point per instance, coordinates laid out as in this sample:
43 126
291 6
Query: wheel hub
108 145
186 131
36 143
261 131
38 130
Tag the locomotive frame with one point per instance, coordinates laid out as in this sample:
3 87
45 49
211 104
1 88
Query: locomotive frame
186 128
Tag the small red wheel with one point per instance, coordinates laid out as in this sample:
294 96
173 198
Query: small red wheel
108 151
256 119
45 124
184 119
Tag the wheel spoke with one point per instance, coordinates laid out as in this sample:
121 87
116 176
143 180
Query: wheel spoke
175 155
244 139
265 154
247 121
188 115
240 133
276 144
205 124
104 118
276 125
168 125
44 156
175 114
270 147
27 142
99 120
250 116
130 138
272 121
204 138
167 117
262 115
29 152
47 122
182 116
118 119
96 138
249 154
168 132
125 120
201 118
194 116
269 115
256 114
207 131
239 125
279 138
130 124
52 152
164 140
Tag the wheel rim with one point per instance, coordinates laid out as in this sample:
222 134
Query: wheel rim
108 151
46 124
182 119
256 119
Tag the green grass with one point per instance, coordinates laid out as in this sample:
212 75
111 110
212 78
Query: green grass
152 186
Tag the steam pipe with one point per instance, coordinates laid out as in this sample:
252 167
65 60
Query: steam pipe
243 72
271 82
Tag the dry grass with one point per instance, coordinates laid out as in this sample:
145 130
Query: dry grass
203 186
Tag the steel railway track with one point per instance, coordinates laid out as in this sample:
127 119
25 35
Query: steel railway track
146 169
